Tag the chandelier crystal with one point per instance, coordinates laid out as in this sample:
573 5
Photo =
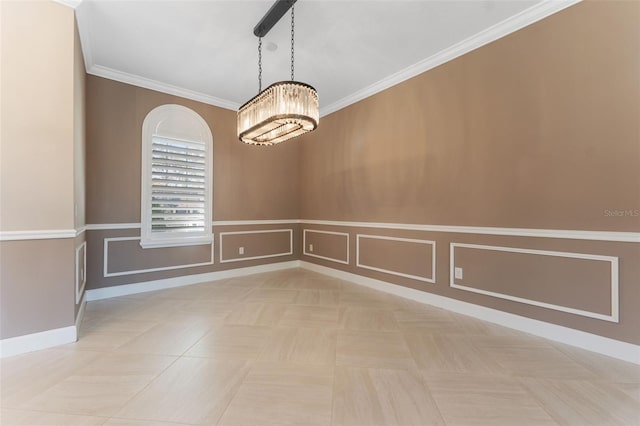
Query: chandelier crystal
283 110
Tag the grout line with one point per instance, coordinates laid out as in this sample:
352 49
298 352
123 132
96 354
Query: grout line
535 399
148 384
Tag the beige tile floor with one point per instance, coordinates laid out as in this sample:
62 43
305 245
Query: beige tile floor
299 348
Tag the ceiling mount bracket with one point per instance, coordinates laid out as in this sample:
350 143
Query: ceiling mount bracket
279 8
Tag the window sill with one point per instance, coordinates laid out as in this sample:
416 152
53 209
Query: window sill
181 242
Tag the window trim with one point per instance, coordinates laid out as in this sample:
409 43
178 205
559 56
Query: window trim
150 126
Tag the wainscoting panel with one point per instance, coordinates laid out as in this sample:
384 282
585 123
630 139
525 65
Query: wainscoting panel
577 283
327 245
237 246
124 256
404 257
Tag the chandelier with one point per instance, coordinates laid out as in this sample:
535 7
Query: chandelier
283 110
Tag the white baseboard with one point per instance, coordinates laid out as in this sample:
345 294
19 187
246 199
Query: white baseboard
36 341
592 342
142 287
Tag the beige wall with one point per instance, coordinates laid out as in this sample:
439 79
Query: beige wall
41 164
36 139
249 183
539 129
37 290
79 174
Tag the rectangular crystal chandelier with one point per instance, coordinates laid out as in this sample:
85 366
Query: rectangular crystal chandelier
282 111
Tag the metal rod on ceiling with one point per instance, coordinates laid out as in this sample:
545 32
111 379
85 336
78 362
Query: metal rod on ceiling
279 8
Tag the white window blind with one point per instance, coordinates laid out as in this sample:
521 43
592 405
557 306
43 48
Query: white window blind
177 163
178 185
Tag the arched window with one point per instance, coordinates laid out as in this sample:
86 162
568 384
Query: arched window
177 167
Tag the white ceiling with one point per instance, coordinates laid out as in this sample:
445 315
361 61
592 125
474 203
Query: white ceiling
347 50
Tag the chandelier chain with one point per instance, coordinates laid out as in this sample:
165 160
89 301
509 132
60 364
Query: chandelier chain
259 64
292 28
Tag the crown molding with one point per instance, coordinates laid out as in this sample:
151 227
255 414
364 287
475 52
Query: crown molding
147 83
512 24
527 17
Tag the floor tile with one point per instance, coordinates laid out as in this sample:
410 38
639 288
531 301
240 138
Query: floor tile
9 417
311 316
129 422
190 292
255 349
581 402
228 294
168 338
102 387
304 280
605 367
108 334
435 352
239 342
373 350
25 376
427 319
94 341
114 308
318 297
192 390
282 395
382 397
205 309
369 319
472 326
115 325
545 362
248 281
468 400
268 295
307 346
263 314
366 298
631 389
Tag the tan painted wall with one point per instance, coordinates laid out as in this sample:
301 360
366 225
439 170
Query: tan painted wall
79 121
538 129
42 164
36 139
36 286
248 182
